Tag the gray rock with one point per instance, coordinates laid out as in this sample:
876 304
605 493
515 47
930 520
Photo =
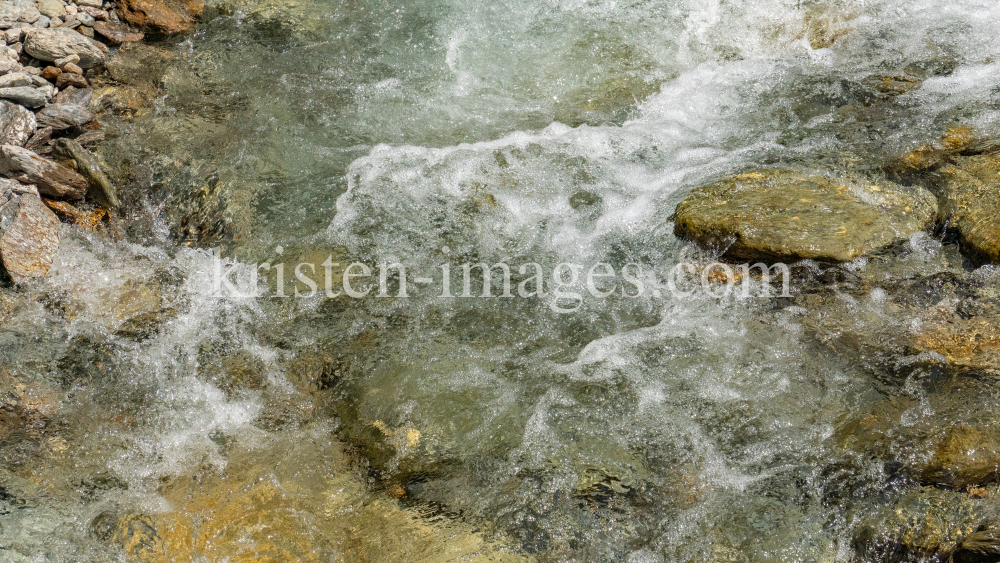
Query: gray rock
13 35
63 116
9 12
30 236
971 205
85 18
52 179
9 65
15 79
74 95
101 189
29 14
52 44
787 215
51 8
66 60
42 22
25 95
16 124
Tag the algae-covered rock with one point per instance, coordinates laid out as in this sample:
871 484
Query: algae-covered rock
971 205
785 215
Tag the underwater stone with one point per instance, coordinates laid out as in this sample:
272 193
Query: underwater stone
101 189
783 214
971 205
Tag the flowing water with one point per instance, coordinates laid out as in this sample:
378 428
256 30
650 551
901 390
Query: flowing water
633 428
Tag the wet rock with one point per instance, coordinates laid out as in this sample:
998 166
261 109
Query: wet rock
979 547
971 205
116 33
90 137
52 180
24 95
63 116
966 336
165 16
51 8
101 189
74 95
53 44
16 124
965 456
73 79
786 215
236 372
923 524
30 236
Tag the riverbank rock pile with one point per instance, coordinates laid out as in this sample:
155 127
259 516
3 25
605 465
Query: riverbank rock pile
50 52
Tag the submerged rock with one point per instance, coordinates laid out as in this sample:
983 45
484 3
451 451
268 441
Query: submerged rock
782 214
30 232
101 189
971 205
52 44
52 180
166 16
924 524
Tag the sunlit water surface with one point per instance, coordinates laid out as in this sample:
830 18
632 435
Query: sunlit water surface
640 429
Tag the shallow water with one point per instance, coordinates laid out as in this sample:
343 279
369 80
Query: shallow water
649 428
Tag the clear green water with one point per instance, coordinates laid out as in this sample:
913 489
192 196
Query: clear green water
650 429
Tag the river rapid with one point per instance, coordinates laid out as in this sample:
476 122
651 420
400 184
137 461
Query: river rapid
161 419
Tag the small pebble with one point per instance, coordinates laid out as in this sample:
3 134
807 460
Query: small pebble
72 68
51 72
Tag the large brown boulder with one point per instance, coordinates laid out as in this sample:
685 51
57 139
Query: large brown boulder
788 215
165 16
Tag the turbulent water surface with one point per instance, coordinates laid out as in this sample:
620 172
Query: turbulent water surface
648 428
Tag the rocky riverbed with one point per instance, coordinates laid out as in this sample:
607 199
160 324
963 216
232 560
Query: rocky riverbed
144 417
